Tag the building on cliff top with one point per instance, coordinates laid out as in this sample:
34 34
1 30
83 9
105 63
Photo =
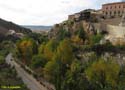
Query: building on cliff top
85 15
111 10
108 10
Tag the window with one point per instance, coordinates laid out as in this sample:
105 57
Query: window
111 7
123 6
118 12
106 7
122 12
110 13
106 13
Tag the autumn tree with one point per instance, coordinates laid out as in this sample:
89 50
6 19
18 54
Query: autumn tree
64 52
26 48
103 74
75 78
55 69
51 71
48 49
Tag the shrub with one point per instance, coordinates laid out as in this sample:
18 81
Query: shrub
2 60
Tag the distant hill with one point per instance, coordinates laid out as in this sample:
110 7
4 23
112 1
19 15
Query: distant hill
33 27
5 26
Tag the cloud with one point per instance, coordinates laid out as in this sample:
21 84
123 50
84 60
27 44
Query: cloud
44 12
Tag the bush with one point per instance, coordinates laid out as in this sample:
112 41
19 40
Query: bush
2 59
62 34
95 39
81 33
38 61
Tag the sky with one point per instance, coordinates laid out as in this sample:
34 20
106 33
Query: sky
44 12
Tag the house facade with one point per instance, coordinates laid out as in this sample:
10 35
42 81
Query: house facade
116 9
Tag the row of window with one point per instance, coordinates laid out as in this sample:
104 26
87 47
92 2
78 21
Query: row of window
114 13
114 6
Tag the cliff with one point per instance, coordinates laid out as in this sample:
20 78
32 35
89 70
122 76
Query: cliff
87 19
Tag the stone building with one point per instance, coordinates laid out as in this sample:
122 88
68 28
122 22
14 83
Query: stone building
115 9
80 15
87 14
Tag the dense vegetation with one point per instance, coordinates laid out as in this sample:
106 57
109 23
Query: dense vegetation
58 61
71 60
8 75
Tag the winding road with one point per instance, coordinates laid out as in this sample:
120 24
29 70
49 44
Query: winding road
28 79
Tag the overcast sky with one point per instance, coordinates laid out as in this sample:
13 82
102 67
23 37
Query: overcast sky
44 12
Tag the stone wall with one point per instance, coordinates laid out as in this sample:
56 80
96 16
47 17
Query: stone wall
116 34
118 57
116 31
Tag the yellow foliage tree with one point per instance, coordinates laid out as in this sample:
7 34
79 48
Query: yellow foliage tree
76 39
103 72
48 49
26 48
64 52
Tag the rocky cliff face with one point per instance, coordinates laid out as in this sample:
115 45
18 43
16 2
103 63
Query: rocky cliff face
72 27
119 57
84 19
5 26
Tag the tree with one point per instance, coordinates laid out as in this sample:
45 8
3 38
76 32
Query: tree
103 74
62 34
76 39
64 57
81 33
48 49
2 60
41 48
38 37
95 39
75 78
121 84
51 70
64 52
55 69
38 61
26 48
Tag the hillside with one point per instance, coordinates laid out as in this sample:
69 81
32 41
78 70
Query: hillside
5 26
